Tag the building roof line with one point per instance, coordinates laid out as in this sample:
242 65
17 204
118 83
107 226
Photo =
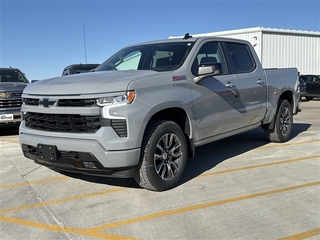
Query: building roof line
257 29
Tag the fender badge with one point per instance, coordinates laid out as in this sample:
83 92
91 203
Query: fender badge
178 78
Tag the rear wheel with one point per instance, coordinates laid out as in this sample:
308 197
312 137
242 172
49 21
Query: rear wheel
163 156
283 123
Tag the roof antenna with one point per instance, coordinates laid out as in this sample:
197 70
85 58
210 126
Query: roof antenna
85 47
187 36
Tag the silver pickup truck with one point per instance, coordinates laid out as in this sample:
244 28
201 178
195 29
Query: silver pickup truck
144 111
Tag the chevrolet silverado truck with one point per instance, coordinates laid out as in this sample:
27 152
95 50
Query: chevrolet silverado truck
144 111
12 83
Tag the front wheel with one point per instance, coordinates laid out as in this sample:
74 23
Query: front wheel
163 156
283 123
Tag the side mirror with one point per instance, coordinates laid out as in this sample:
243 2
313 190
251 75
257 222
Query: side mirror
212 69
206 70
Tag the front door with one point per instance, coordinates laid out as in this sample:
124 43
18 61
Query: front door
215 97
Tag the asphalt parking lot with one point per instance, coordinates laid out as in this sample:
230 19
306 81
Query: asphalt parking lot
242 187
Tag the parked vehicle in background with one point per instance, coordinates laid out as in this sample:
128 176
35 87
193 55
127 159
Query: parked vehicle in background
302 88
12 83
79 68
144 110
313 86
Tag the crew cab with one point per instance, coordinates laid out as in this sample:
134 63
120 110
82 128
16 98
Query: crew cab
147 108
12 83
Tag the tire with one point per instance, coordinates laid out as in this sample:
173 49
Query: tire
283 123
309 98
163 156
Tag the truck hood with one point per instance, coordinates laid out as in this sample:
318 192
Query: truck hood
88 83
12 86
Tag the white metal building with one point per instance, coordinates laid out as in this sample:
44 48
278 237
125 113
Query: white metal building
280 48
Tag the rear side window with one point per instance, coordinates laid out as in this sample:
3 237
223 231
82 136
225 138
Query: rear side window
240 57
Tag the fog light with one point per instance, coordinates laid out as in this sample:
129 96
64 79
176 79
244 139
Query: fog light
89 165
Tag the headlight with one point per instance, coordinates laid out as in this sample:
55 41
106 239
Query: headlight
120 99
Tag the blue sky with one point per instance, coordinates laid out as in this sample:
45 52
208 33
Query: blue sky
41 37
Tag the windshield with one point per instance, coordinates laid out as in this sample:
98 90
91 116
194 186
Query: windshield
157 57
12 75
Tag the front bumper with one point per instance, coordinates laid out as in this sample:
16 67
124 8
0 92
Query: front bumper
10 117
85 156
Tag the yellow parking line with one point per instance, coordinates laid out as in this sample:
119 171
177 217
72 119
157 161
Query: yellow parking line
260 165
287 144
55 228
303 235
63 177
121 189
199 206
62 200
95 231
34 182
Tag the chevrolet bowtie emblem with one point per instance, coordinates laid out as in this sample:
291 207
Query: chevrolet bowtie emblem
46 102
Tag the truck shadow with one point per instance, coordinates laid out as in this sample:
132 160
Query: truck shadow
210 155
207 156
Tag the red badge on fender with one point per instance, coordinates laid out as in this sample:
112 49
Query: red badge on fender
178 78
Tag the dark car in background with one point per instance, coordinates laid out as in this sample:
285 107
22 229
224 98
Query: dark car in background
312 85
302 88
79 68
12 83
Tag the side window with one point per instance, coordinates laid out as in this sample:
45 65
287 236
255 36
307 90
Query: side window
309 79
240 56
315 80
210 53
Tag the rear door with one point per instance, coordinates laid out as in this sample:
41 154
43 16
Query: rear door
251 84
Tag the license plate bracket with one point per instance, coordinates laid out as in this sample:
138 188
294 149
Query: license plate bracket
48 152
6 117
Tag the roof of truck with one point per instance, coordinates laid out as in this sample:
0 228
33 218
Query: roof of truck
189 39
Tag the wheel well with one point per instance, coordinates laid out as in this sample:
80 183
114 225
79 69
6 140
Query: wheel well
287 96
284 96
180 117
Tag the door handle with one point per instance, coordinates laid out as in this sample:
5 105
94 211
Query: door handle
260 81
230 85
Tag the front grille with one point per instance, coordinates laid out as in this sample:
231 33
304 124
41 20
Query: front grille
76 102
61 102
31 101
16 95
10 103
62 122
